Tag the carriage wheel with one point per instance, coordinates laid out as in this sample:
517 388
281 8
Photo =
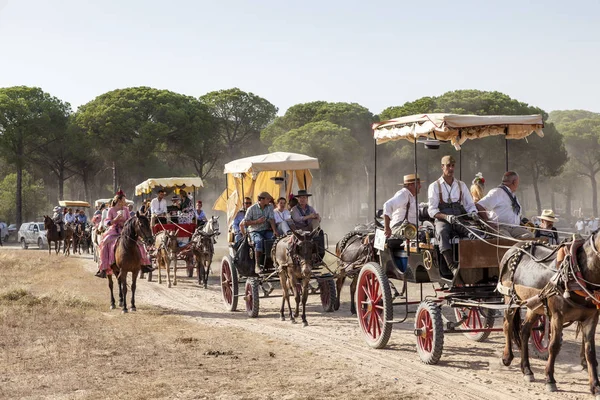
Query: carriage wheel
374 305
429 330
251 297
328 295
229 284
477 318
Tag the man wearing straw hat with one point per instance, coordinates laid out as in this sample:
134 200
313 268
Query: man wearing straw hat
547 229
449 200
506 208
402 207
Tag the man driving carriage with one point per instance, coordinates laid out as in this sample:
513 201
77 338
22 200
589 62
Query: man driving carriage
402 208
304 217
158 208
449 200
260 223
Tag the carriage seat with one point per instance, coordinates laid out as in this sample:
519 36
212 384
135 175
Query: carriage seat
424 213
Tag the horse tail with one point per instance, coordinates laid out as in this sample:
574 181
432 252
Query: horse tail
516 327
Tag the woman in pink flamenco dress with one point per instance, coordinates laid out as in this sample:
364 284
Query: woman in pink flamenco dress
115 220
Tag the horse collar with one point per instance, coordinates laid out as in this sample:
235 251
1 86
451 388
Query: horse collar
593 245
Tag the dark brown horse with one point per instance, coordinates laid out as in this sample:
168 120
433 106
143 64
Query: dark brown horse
354 250
78 238
128 258
536 276
52 234
68 239
294 256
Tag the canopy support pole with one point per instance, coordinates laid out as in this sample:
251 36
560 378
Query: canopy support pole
375 182
506 152
227 186
243 191
460 166
416 201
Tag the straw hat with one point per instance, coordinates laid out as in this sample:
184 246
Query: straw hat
57 209
410 178
548 215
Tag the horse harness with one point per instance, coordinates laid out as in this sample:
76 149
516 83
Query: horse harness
567 280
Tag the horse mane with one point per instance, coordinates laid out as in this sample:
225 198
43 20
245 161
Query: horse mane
128 229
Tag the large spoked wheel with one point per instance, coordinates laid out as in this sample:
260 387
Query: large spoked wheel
374 305
429 330
476 318
229 284
328 295
251 297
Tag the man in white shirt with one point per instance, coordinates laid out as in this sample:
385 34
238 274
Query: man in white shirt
503 202
448 199
158 208
580 226
402 207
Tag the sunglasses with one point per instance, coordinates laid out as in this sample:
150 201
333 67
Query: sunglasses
248 202
261 198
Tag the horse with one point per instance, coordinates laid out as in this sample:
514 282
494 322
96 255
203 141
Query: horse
97 232
203 241
52 234
78 237
68 239
87 239
166 252
559 282
353 251
293 257
128 258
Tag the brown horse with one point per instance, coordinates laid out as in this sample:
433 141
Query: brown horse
166 253
294 256
78 238
128 258
52 234
68 239
204 250
354 250
534 275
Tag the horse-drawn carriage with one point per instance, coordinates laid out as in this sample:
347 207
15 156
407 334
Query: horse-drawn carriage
181 241
275 173
415 257
82 234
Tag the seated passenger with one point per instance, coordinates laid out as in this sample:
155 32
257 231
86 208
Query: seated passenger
547 229
505 206
477 187
158 209
304 217
260 223
185 213
199 214
282 216
449 198
402 207
238 226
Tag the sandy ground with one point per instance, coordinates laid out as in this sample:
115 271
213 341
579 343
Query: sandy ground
330 353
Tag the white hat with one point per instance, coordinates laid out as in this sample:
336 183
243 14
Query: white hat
57 208
548 215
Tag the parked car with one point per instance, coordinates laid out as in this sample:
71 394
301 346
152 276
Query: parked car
12 232
32 233
4 231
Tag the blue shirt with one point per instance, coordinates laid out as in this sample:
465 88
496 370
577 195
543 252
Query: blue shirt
69 218
82 219
200 216
236 221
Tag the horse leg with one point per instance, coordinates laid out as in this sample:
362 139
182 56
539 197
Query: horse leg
509 320
292 283
112 296
207 264
199 260
121 297
167 264
123 284
159 263
589 333
297 295
305 281
530 319
339 284
352 293
556 327
173 259
134 275
286 295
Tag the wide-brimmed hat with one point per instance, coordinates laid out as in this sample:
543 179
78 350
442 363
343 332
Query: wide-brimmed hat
548 215
303 192
446 160
410 178
56 209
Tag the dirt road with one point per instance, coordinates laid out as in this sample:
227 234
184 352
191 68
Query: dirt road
467 370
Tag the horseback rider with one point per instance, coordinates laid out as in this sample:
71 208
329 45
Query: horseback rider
81 218
449 199
402 208
57 217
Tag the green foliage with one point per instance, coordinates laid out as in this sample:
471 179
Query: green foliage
34 197
239 117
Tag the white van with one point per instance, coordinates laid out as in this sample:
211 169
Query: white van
32 233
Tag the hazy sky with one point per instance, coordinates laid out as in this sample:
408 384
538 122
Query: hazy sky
376 53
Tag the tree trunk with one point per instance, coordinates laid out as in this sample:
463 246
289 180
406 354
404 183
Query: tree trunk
594 195
115 179
568 202
536 189
19 216
86 188
61 184
552 199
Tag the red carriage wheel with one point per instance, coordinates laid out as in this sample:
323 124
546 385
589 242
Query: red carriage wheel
476 318
429 330
251 297
229 284
374 305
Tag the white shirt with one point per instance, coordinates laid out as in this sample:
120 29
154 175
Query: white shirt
395 208
594 225
281 216
580 225
498 202
158 207
450 193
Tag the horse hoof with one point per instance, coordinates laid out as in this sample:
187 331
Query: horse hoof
551 387
296 315
174 283
133 309
293 321
506 361
283 318
528 378
169 285
205 286
304 324
112 307
125 311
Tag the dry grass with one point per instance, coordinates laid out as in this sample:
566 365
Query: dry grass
57 340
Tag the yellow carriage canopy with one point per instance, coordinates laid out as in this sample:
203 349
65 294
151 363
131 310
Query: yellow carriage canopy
74 203
457 128
275 173
180 183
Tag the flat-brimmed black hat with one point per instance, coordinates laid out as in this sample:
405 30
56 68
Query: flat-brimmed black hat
303 192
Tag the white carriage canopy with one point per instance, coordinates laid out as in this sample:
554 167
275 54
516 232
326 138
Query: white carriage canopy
457 128
278 161
107 202
182 183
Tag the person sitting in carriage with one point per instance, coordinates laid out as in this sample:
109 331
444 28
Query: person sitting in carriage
238 222
57 217
260 223
81 218
449 200
69 217
199 214
158 208
402 208
304 217
502 202
115 220
547 229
